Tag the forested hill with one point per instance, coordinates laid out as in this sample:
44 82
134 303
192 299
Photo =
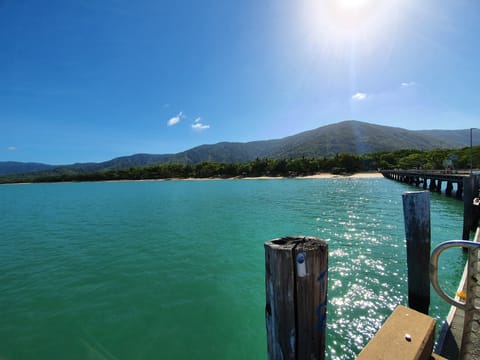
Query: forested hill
14 167
353 137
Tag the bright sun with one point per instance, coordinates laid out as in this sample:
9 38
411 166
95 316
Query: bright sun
354 12
353 4
339 25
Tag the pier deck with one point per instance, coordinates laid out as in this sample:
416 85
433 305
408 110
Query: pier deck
450 338
430 179
465 186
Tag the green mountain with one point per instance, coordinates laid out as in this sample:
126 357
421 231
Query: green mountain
14 167
352 137
462 137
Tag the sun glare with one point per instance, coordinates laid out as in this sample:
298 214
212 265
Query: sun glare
354 15
337 26
353 4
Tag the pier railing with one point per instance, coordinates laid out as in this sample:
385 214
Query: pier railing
470 289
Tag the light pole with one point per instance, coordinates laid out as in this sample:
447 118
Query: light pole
471 144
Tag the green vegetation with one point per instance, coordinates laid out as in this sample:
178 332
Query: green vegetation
346 137
342 163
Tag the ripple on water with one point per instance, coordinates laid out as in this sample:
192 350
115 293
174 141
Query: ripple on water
141 270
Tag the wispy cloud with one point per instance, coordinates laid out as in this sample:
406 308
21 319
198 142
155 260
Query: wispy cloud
198 125
408 84
12 148
359 96
176 119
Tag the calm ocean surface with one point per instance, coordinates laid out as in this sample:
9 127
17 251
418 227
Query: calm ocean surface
175 269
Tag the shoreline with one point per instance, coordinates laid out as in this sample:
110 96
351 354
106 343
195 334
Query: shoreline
361 175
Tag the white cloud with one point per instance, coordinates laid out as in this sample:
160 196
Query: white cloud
176 119
359 96
12 148
408 84
200 126
197 125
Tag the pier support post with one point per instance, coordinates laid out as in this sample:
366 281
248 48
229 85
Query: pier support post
416 212
296 297
449 188
470 191
459 192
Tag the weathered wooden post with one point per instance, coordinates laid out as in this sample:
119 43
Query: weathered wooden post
449 188
459 192
416 213
469 185
296 270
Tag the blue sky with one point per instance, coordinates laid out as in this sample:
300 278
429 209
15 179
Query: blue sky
90 80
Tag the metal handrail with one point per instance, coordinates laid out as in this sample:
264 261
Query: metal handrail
434 267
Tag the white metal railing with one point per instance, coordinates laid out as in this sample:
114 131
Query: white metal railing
470 347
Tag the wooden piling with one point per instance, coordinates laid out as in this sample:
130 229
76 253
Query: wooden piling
416 212
296 270
469 193
449 188
459 193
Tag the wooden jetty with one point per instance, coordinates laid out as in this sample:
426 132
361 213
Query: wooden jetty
460 334
296 284
430 179
464 184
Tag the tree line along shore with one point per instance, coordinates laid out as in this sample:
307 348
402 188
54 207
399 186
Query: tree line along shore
340 164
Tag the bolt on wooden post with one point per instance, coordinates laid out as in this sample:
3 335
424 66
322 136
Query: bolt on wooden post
296 270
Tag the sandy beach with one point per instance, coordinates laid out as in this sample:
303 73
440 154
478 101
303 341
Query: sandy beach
365 175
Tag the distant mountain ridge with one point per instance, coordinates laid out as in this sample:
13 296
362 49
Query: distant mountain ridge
14 167
354 137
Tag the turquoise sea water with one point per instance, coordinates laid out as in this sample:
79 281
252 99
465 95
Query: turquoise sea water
175 269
